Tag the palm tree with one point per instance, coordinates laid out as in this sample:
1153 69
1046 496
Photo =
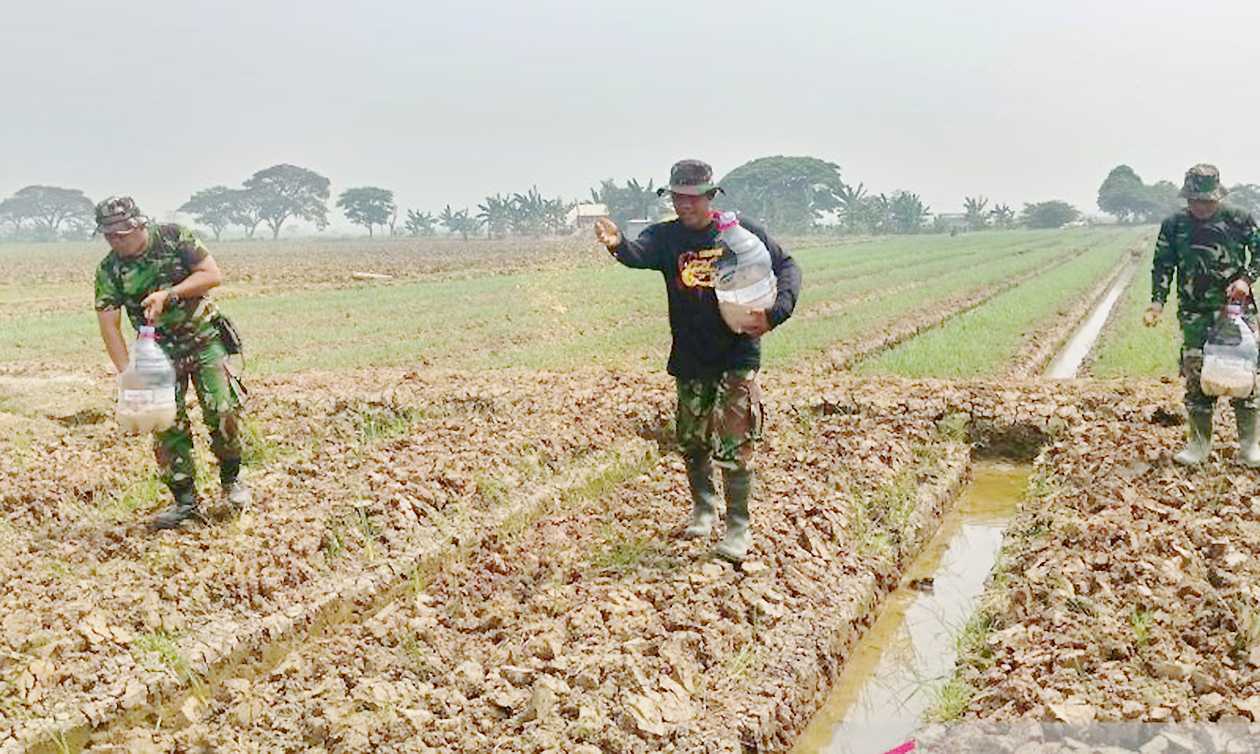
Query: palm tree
976 217
633 202
496 215
459 222
909 213
877 212
527 212
1003 216
420 223
643 200
852 206
555 216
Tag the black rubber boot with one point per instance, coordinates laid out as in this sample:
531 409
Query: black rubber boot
184 509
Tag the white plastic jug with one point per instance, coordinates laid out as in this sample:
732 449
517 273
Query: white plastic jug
1229 357
745 273
146 389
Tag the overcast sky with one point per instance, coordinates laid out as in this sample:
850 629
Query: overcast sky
446 102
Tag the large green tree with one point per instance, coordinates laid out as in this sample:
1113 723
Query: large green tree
51 209
282 192
1246 197
12 212
1163 199
368 206
1123 195
246 210
788 193
215 207
1051 214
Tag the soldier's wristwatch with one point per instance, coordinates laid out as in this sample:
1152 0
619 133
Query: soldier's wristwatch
171 296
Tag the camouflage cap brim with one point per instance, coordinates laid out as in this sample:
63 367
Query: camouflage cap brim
689 190
1215 195
123 225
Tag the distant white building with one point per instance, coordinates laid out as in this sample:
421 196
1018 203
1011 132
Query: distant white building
585 215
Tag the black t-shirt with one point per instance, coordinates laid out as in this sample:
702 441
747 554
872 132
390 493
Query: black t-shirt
703 346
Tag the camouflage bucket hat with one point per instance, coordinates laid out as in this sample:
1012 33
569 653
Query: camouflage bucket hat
691 177
119 214
1203 182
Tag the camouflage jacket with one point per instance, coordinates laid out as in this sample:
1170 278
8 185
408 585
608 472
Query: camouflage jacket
124 283
1205 256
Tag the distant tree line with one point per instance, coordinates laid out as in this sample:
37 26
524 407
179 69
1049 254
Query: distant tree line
47 213
790 194
1124 195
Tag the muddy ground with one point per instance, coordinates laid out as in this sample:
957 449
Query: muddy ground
442 561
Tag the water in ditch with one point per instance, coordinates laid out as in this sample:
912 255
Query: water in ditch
1069 360
895 672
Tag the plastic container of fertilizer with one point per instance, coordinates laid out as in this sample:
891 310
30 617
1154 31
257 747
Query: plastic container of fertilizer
146 389
1229 357
745 274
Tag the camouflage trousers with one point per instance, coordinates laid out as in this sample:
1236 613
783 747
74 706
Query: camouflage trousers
1195 328
721 417
206 368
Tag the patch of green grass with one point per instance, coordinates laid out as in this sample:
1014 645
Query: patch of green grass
491 490
334 544
1043 485
622 552
744 662
1142 621
140 496
161 647
60 569
418 581
561 317
1127 347
419 657
1248 620
953 427
986 339
951 701
383 422
878 522
971 640
258 449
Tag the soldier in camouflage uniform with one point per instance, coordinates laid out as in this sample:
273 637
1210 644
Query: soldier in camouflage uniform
1210 253
160 274
719 401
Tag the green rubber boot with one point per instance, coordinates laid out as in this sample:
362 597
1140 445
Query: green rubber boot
1199 440
1248 446
703 497
737 539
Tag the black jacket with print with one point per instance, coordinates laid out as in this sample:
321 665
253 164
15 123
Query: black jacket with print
703 346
